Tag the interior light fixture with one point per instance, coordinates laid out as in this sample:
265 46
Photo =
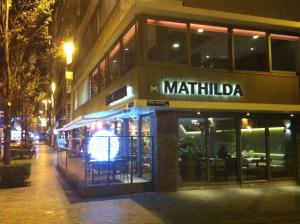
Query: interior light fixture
198 112
248 114
126 49
252 49
292 115
207 56
200 30
176 45
255 37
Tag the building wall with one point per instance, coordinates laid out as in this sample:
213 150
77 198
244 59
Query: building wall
279 9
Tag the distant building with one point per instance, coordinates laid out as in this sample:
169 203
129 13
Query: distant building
178 84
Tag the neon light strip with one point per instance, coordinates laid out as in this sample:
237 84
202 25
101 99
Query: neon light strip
284 37
129 35
166 24
102 65
261 129
114 51
249 33
189 132
209 28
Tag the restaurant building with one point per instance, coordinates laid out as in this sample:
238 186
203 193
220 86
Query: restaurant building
168 94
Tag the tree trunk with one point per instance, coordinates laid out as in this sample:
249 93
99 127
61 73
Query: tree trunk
8 90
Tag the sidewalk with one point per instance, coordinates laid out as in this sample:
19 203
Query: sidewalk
50 200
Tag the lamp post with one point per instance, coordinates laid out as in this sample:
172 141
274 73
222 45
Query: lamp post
52 120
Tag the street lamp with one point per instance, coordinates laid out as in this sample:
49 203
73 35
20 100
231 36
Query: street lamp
69 49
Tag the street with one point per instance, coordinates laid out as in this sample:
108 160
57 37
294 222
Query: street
50 200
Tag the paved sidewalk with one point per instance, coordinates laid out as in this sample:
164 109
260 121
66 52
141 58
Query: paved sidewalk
50 200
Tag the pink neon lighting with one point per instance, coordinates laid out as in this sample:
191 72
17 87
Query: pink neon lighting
284 37
249 33
95 72
218 29
114 51
129 35
166 24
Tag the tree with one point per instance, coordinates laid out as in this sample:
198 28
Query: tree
23 33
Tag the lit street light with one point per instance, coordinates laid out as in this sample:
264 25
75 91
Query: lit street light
69 49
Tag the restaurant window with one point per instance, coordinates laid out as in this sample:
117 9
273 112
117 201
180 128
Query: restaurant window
104 79
192 149
129 50
209 46
285 52
166 41
253 148
94 82
115 62
281 154
250 50
222 153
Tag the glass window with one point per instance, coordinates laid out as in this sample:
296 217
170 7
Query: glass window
281 154
104 79
129 50
166 41
253 149
115 62
222 155
250 49
95 82
209 46
285 52
192 149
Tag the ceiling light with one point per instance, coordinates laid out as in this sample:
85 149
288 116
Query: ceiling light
198 112
126 49
255 37
248 114
252 49
207 56
200 30
176 45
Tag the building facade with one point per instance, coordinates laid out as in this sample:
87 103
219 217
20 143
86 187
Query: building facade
176 93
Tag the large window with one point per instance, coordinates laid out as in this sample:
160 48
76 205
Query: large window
285 52
166 41
209 46
115 62
281 154
222 155
95 82
253 149
104 79
129 50
250 50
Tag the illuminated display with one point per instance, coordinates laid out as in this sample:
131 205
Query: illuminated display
193 88
99 145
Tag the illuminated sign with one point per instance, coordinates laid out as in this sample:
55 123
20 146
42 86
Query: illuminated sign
119 95
202 88
103 146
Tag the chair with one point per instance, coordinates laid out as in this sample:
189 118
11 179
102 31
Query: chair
219 166
245 166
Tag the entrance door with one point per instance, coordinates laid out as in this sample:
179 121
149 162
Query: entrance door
222 149
192 152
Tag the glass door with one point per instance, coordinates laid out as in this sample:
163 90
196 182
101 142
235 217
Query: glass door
192 149
222 149
253 149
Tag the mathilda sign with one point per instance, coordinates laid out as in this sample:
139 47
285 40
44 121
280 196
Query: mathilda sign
200 88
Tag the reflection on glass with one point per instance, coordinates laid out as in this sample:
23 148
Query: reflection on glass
129 50
115 62
280 148
166 41
209 46
192 149
253 150
250 50
285 52
222 155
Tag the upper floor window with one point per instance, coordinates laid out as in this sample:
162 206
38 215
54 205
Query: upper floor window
94 82
104 79
209 46
166 41
114 62
129 50
250 50
285 52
